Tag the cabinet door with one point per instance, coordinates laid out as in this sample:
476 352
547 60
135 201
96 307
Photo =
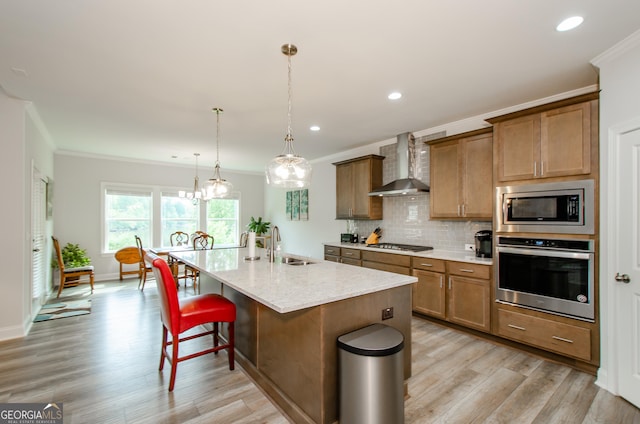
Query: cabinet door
445 182
429 293
565 141
517 148
477 172
344 190
469 302
361 175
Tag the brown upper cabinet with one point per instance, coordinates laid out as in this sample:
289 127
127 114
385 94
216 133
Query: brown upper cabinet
355 178
553 140
461 176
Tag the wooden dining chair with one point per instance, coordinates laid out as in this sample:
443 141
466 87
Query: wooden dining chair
70 277
144 268
202 242
180 315
179 238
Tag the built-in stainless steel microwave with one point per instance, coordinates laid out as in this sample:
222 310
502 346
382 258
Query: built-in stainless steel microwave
562 207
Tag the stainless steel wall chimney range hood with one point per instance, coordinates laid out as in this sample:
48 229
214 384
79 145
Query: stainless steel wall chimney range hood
405 184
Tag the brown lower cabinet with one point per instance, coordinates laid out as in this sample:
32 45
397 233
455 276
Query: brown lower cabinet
344 255
458 292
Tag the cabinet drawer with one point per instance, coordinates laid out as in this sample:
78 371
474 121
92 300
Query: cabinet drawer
469 270
332 258
332 250
559 337
349 261
387 267
428 264
350 253
386 258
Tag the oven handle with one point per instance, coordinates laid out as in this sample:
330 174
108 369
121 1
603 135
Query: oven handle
545 252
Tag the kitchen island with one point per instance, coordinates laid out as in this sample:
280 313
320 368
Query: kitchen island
290 316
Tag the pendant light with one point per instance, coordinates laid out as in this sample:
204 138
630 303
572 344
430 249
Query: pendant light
196 194
288 170
216 187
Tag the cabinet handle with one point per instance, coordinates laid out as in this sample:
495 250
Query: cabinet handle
441 277
458 210
348 254
449 283
463 214
516 327
541 168
466 270
330 251
562 339
426 264
535 168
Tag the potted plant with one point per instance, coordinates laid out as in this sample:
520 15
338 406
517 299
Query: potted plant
258 226
72 256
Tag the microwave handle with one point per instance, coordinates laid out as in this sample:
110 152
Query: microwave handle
545 252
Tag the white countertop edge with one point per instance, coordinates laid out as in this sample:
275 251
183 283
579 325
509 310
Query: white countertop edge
449 255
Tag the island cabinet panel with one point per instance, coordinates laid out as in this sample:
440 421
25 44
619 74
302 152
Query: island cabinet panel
400 264
298 351
461 176
355 178
554 140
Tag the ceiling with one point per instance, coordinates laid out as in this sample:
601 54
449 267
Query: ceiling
138 79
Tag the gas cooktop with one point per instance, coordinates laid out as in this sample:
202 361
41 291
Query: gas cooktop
404 247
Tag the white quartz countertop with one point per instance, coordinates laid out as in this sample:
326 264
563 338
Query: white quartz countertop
449 255
287 288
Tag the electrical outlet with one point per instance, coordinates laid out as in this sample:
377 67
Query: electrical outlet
469 247
387 313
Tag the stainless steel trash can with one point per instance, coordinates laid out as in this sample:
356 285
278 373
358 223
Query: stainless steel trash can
371 375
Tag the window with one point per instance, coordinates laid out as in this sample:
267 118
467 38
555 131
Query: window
177 214
223 216
154 213
128 213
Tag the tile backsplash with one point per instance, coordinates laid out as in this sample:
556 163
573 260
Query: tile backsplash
406 218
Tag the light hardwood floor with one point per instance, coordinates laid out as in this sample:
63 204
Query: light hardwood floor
104 367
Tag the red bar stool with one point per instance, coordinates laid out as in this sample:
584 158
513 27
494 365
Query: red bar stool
180 315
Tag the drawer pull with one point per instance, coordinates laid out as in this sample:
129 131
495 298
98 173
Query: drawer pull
330 251
349 254
517 327
465 270
426 264
562 339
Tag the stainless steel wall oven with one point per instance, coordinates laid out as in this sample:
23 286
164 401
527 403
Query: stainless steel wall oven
551 275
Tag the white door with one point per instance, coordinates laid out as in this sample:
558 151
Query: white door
38 245
627 263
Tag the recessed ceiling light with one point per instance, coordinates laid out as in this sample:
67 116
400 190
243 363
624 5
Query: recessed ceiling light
395 95
314 128
569 23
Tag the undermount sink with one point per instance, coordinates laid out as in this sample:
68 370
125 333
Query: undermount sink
295 261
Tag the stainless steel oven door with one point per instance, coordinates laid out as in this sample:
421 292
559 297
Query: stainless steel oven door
555 281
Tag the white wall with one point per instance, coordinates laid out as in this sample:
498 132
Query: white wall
77 198
619 103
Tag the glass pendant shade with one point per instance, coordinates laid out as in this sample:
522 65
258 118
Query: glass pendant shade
196 194
216 187
289 170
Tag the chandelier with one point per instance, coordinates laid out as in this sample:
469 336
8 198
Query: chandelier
216 187
289 170
196 194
